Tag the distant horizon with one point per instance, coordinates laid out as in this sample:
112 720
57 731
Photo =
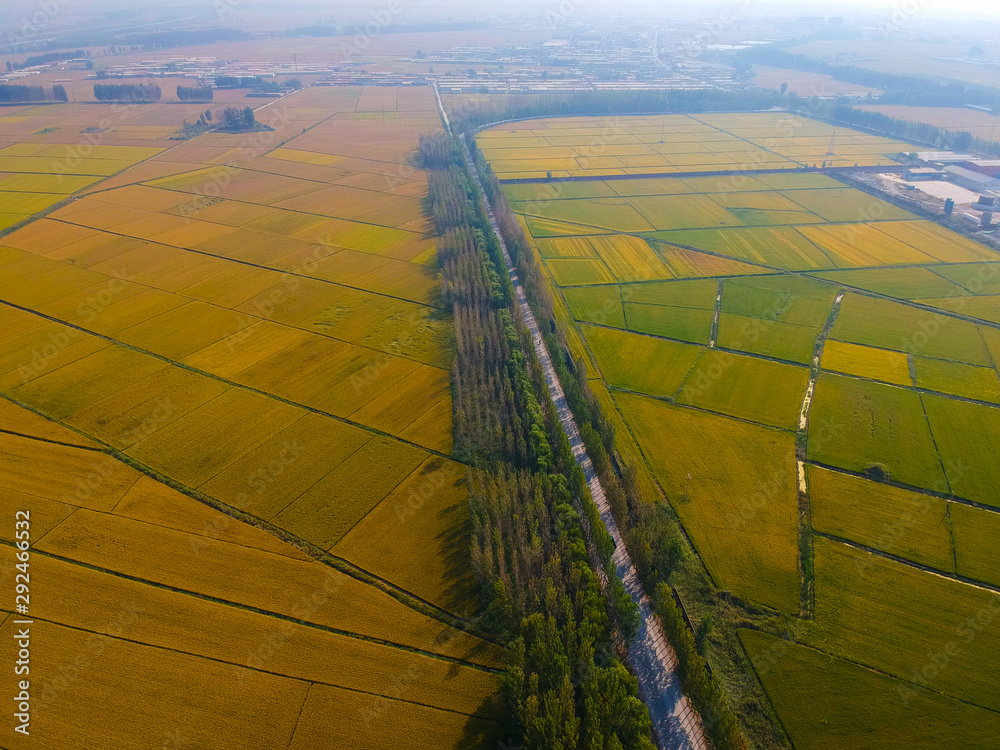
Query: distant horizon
957 11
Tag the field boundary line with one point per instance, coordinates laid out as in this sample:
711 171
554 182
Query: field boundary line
268 613
26 436
260 670
868 667
954 577
233 384
293 272
302 708
937 451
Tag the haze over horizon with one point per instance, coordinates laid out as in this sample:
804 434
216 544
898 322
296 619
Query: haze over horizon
957 10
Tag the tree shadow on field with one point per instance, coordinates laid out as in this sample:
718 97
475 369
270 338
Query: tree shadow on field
452 548
482 731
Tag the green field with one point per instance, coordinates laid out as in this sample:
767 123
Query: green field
652 366
739 505
828 703
874 424
684 323
981 383
968 437
880 323
758 390
895 618
900 522
787 341
596 304
976 550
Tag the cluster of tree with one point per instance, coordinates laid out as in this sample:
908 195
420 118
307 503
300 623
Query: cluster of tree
897 88
391 28
565 685
438 152
566 688
12 94
474 115
149 40
238 82
190 130
195 93
497 414
237 120
127 92
908 130
268 86
651 534
46 58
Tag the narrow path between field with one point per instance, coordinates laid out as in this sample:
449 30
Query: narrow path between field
676 725
714 336
807 594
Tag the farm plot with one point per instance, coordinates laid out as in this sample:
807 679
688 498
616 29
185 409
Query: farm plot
769 338
640 363
739 505
596 304
789 299
868 362
897 521
888 325
778 247
874 428
846 204
683 323
976 533
860 245
980 383
604 146
890 616
607 213
629 258
697 294
827 703
968 437
746 387
904 283
983 308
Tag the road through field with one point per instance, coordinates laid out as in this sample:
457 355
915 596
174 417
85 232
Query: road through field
676 724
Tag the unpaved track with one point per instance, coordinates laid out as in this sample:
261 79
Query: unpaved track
676 725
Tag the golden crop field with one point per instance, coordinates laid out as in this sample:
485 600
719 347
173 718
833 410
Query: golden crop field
811 382
225 369
604 146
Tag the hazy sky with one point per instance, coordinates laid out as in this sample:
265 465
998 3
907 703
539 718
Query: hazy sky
960 10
